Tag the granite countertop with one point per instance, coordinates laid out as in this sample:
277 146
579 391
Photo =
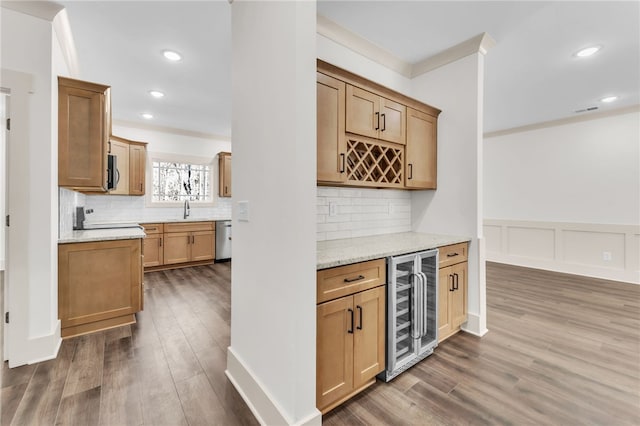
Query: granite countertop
352 250
89 235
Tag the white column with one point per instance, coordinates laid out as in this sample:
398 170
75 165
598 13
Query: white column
271 360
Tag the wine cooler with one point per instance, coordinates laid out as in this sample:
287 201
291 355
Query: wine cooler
412 310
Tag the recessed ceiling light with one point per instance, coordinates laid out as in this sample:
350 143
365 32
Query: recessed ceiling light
146 115
587 51
608 99
171 55
156 93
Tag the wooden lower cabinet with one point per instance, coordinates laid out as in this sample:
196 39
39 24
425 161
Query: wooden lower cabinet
153 244
99 285
350 345
452 291
172 245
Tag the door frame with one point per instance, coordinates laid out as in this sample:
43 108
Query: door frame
5 113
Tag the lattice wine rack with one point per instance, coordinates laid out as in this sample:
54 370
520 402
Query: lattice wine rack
373 164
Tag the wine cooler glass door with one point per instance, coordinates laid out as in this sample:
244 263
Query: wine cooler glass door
402 313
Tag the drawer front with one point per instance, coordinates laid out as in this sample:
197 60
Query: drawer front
152 228
189 226
344 280
450 255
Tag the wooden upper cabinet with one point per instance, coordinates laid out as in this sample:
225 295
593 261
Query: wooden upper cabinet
374 116
332 144
130 166
224 174
421 162
121 151
84 126
137 166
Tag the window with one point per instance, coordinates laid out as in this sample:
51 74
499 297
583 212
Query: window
175 180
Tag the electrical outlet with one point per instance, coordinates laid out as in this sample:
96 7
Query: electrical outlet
392 208
606 256
333 209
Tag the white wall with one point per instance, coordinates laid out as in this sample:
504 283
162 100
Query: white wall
587 171
28 66
566 197
271 359
455 207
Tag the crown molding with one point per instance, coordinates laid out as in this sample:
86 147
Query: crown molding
331 30
478 44
562 121
40 9
358 44
171 130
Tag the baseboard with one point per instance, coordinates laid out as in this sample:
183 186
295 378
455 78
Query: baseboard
257 398
572 248
43 348
472 326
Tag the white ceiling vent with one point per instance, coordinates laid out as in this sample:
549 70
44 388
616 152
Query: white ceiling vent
591 108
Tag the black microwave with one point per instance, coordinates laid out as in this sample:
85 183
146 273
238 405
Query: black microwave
112 172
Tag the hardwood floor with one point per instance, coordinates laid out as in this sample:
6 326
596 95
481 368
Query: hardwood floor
561 350
168 369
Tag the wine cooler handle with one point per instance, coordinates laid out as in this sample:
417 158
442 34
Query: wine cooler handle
425 304
415 309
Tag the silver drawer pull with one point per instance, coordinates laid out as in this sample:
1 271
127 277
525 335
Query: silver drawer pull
350 280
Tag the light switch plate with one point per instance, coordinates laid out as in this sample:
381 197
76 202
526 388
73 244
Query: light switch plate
243 211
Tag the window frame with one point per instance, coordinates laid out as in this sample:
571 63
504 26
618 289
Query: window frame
178 158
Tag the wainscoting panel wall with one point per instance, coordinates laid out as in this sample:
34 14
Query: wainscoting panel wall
595 250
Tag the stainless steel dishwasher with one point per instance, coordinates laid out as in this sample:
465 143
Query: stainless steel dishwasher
223 240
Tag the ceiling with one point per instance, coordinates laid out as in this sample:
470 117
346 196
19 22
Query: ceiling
531 74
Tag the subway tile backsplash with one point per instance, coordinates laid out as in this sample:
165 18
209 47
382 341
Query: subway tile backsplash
124 208
358 212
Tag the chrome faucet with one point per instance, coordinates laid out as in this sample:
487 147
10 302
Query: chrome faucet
187 209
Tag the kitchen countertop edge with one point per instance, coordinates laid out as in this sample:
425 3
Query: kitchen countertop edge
347 251
93 235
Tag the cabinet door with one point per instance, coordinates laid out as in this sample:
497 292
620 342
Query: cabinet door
98 281
363 112
137 163
202 245
421 150
334 346
331 142
153 250
445 288
458 304
224 175
369 335
82 139
176 247
392 121
121 151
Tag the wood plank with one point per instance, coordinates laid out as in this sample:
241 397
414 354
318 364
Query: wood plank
43 395
120 403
